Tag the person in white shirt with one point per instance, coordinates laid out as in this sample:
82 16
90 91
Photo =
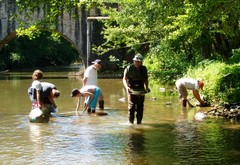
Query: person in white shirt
35 91
91 78
184 84
91 74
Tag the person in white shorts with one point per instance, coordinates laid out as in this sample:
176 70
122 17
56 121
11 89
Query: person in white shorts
184 84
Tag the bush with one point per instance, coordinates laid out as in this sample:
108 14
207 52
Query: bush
165 66
235 58
222 81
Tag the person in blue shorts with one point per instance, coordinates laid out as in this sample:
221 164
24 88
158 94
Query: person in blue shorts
92 92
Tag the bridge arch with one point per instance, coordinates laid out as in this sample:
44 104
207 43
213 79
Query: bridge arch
69 27
13 35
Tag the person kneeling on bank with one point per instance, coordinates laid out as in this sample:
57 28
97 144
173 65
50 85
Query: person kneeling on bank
92 92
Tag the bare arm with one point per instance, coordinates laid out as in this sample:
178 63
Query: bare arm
124 80
78 104
52 101
146 85
39 99
84 80
197 96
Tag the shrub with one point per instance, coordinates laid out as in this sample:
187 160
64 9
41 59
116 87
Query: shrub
222 81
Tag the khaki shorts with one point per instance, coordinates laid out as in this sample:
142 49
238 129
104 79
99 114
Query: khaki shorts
182 91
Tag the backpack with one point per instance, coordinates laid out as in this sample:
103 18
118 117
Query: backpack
32 93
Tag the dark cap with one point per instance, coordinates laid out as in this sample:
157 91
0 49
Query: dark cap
74 92
97 61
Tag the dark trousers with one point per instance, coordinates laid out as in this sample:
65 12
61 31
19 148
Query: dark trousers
135 104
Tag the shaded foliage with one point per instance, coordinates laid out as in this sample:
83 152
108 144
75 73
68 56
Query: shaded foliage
43 50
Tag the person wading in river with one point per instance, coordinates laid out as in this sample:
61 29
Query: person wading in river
184 84
134 78
39 113
91 78
49 93
35 91
92 92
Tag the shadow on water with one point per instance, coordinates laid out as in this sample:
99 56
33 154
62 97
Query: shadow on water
168 135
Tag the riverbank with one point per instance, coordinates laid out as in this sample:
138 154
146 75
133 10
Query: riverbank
228 111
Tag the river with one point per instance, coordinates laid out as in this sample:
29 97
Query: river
169 134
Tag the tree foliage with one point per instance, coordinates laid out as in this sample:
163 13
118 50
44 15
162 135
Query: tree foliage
178 37
42 50
173 35
176 32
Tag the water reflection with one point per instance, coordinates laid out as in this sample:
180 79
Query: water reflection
135 147
186 137
198 141
36 137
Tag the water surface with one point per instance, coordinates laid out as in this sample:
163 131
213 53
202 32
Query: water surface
168 135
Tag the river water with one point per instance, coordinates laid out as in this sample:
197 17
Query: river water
168 135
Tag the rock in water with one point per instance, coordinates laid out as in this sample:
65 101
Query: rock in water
200 116
38 116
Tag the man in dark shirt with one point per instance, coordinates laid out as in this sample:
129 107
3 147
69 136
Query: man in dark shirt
135 78
49 92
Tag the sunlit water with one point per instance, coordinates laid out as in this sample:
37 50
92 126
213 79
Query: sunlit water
168 135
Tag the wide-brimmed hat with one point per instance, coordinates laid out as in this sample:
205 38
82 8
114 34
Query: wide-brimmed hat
97 61
74 92
138 57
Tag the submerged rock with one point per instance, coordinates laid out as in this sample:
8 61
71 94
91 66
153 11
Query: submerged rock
200 116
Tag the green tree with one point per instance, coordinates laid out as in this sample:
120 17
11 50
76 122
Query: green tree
168 32
178 32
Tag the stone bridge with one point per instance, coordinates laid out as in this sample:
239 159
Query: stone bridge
76 31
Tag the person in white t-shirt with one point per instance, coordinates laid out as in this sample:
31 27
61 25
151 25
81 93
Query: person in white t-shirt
91 78
184 84
35 91
91 73
39 113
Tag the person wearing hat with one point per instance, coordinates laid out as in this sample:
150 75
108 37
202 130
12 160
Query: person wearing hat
91 77
91 74
184 84
92 92
135 78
